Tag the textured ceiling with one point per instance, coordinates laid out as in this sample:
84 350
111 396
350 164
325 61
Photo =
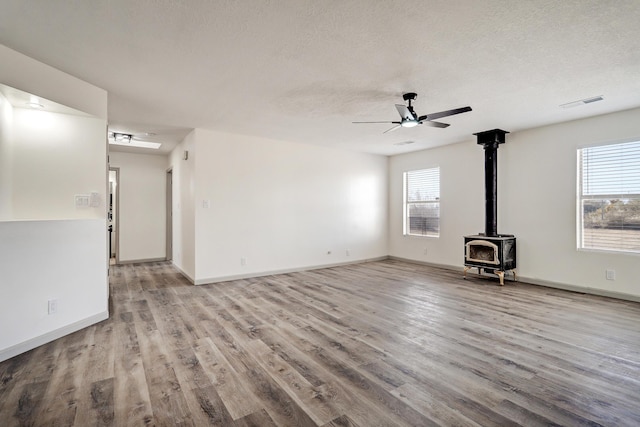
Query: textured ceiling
303 70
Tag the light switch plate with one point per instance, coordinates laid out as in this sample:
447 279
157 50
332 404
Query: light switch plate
82 200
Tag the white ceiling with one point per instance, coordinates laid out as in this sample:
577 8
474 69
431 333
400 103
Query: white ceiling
303 70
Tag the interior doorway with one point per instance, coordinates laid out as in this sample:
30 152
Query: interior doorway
169 216
113 215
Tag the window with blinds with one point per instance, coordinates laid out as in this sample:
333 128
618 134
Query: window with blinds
609 197
422 202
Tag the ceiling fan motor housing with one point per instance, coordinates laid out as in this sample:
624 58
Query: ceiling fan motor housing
410 96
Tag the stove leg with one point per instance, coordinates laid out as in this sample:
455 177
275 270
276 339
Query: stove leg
465 271
501 275
515 275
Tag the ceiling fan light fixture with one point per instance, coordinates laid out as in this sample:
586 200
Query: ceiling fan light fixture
409 123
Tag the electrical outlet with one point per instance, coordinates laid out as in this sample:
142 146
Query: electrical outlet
243 261
53 306
426 251
348 252
611 274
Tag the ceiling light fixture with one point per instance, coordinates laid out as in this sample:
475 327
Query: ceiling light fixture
128 140
34 103
122 138
582 102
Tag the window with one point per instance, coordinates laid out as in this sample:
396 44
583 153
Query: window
422 202
609 197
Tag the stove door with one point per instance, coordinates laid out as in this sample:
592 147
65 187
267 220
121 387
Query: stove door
481 252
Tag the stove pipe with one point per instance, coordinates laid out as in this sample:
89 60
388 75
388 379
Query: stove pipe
490 140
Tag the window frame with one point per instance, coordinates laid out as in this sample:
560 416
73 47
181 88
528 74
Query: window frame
581 197
406 203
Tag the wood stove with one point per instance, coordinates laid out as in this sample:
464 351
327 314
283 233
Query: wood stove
489 251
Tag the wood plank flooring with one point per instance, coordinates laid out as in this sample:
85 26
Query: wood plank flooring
375 344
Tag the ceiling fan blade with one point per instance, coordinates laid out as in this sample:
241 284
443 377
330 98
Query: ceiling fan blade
405 113
442 114
393 128
435 124
376 122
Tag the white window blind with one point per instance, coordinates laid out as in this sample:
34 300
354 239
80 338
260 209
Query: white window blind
422 202
609 197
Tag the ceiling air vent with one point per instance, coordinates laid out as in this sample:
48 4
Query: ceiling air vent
582 102
403 143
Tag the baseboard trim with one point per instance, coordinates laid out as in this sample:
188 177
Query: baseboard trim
580 289
32 343
212 280
138 261
428 264
536 282
185 275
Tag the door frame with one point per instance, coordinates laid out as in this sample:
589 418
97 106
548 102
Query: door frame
116 213
169 215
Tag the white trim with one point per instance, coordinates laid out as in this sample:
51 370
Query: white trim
580 289
428 264
284 271
32 343
186 276
139 261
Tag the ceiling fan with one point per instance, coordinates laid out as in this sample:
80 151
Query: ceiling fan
411 119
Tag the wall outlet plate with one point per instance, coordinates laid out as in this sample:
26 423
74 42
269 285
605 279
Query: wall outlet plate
52 307
610 274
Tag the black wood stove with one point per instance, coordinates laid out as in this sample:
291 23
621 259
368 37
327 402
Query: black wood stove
489 251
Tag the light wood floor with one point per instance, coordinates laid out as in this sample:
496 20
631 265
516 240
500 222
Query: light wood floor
383 343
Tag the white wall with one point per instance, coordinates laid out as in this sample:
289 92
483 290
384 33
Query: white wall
461 202
142 191
43 260
50 152
183 200
536 202
283 205
63 259
6 155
